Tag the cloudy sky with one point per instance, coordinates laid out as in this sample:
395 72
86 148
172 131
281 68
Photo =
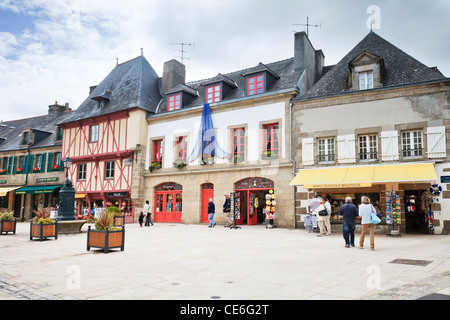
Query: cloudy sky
53 50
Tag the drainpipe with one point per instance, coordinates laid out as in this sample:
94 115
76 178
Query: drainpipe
291 154
26 182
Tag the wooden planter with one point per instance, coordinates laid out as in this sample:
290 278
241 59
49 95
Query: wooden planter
106 239
7 226
119 221
43 231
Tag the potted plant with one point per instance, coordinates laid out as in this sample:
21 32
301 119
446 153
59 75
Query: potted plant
179 164
7 223
105 236
119 218
154 165
42 226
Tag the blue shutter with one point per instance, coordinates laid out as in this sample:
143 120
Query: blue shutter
30 163
49 162
14 164
42 163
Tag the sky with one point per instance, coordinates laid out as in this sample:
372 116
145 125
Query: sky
54 50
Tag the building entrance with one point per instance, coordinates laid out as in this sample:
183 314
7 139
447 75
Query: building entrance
416 211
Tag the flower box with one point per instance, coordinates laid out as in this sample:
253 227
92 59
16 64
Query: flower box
3 171
55 167
106 240
7 226
36 170
43 231
19 170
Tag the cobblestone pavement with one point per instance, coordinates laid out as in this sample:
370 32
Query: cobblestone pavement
194 262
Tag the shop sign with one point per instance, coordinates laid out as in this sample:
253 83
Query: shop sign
338 186
117 194
51 179
445 179
80 195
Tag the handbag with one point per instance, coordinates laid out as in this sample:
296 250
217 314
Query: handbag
323 212
374 217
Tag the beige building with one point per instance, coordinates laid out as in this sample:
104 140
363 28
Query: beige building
376 124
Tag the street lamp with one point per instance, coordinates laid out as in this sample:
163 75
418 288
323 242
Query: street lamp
66 195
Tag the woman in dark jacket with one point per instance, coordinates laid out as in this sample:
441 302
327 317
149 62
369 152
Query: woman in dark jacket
211 211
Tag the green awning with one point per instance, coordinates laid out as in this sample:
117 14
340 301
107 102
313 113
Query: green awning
36 189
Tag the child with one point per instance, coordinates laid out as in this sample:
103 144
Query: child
141 219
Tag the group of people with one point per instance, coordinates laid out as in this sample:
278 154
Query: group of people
147 216
322 208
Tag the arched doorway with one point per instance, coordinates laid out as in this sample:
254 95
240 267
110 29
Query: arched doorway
207 193
252 193
168 202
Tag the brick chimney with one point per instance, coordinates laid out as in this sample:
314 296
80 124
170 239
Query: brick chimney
174 73
56 109
306 57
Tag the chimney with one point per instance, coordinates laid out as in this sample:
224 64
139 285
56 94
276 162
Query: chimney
174 73
56 109
306 57
92 88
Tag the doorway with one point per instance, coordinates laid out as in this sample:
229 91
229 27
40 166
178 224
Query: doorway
168 202
207 193
416 212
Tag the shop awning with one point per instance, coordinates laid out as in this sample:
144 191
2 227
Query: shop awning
4 190
364 176
36 189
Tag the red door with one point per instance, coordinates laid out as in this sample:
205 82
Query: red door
207 193
168 203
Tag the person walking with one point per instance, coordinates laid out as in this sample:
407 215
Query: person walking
148 214
365 209
141 219
327 220
349 213
321 212
226 210
211 211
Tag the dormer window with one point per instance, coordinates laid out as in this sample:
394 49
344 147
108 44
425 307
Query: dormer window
27 138
255 84
365 71
213 93
259 79
174 102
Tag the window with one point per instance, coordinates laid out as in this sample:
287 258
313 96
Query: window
412 144
25 137
213 93
271 139
175 102
93 135
238 144
82 172
255 85
56 162
365 80
368 147
326 150
109 170
59 133
157 151
181 148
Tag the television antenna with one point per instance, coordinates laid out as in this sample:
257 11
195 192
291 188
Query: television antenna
183 44
308 25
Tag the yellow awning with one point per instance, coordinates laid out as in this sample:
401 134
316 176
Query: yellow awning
4 191
364 176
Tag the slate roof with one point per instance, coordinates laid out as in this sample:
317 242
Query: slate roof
44 128
399 69
132 84
283 71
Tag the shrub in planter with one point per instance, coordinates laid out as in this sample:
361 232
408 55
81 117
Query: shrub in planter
42 226
7 223
105 235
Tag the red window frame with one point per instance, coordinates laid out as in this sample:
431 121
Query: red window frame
157 151
213 93
271 138
181 148
174 102
238 144
255 84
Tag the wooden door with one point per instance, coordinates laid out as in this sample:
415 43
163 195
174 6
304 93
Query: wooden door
207 193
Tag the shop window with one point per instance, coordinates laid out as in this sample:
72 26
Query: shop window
255 84
109 170
238 144
181 148
93 133
368 147
271 143
326 150
412 144
174 102
157 151
82 172
213 93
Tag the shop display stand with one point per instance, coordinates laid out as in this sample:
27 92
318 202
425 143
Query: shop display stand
235 210
270 209
393 212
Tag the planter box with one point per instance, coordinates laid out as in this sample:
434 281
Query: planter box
106 240
7 226
119 221
43 231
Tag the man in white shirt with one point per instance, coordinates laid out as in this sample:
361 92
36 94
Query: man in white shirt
147 214
327 218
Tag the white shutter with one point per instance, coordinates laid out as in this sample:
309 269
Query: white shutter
346 149
308 152
389 145
436 145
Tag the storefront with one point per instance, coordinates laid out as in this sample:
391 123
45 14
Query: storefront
35 197
399 193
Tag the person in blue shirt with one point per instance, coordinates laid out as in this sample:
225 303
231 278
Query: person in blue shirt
349 213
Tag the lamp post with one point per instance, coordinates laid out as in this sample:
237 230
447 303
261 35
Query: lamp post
66 195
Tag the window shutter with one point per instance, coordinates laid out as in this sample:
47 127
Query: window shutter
389 145
42 163
49 162
9 165
30 163
308 152
346 148
436 143
14 164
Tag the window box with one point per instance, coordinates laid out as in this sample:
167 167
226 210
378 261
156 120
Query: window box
55 167
3 171
36 170
179 164
268 155
154 166
19 170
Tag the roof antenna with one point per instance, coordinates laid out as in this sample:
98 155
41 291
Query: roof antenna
117 61
142 52
308 25
182 44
